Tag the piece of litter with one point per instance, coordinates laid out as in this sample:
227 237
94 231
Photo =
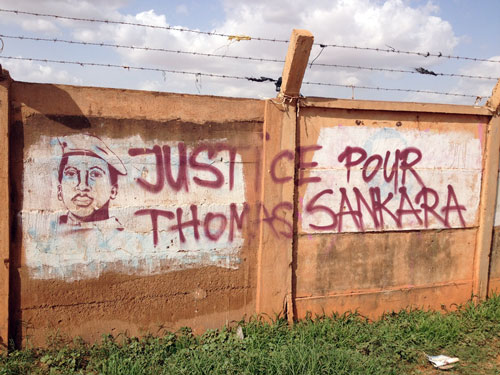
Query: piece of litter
239 38
239 333
442 362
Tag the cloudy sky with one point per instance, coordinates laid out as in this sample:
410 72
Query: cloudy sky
456 27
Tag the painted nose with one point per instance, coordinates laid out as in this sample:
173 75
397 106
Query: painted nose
83 183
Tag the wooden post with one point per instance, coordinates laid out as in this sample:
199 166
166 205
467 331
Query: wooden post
494 100
275 254
5 82
488 199
296 61
275 242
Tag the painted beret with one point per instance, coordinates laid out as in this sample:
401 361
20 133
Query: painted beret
86 144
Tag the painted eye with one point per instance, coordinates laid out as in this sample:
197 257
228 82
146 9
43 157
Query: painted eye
95 174
70 173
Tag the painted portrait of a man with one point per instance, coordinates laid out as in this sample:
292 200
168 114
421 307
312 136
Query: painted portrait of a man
88 181
82 221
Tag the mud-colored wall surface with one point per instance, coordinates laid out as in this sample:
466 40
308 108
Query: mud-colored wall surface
494 271
166 241
139 211
381 272
389 209
494 266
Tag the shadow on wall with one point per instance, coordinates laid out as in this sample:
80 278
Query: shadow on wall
60 102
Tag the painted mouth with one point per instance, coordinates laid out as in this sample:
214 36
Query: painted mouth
82 200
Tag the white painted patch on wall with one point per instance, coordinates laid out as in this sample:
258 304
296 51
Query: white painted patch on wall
446 164
71 233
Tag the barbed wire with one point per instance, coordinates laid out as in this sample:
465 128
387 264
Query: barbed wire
248 38
392 89
153 49
170 28
416 53
248 58
227 76
419 70
126 67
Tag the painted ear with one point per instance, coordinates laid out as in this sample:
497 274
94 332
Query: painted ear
114 191
59 193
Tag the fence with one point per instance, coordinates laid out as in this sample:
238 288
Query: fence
141 211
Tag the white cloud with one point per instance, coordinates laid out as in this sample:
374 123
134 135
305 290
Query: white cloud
401 24
150 86
182 9
73 8
355 22
482 88
34 72
41 25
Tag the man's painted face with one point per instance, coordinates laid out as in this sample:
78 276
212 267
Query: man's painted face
85 185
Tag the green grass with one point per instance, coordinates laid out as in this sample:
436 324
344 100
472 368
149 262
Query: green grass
340 344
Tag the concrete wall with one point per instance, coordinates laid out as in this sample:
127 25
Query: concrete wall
390 210
178 247
494 270
139 211
494 280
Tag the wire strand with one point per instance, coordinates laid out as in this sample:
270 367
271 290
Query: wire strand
391 89
127 67
171 28
398 51
153 49
213 75
415 71
248 58
245 37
